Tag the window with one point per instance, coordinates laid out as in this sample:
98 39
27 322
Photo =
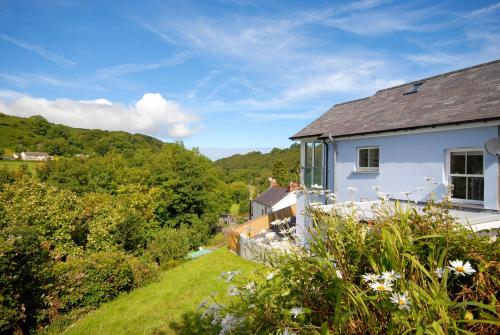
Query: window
466 175
313 164
414 89
368 159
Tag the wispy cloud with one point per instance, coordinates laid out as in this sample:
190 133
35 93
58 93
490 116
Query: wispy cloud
51 56
27 79
121 69
485 10
280 116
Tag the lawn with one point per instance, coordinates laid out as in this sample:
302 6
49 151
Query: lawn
15 165
154 308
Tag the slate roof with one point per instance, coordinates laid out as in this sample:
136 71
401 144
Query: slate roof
272 196
467 95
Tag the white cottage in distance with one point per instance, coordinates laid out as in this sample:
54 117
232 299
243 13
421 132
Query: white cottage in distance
432 129
273 199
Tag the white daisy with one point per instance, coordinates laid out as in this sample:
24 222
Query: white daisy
390 275
401 300
461 269
271 275
233 291
251 287
378 286
439 272
370 277
296 311
270 235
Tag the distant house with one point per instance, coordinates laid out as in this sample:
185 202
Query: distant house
411 142
34 156
273 199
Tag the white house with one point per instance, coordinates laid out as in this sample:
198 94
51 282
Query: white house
34 156
273 199
410 142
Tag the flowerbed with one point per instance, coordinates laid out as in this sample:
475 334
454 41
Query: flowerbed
408 272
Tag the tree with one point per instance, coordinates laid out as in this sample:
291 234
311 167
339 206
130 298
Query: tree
280 173
39 125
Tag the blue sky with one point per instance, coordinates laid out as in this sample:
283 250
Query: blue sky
226 74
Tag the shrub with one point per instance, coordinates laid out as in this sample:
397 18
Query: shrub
169 244
24 279
94 279
396 276
144 271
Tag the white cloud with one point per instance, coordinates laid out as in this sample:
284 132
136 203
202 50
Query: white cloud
52 56
485 10
121 69
152 114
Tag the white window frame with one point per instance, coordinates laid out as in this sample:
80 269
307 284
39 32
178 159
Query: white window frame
367 169
448 171
313 159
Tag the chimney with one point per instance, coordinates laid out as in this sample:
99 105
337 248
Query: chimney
293 186
272 182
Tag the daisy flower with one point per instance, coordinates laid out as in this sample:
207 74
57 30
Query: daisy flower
461 269
378 286
250 287
296 311
370 277
271 275
401 300
439 272
390 275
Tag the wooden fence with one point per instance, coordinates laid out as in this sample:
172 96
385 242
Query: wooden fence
255 226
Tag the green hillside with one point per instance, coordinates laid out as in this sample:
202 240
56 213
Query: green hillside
255 167
37 134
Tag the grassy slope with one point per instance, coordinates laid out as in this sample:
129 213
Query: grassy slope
153 308
15 165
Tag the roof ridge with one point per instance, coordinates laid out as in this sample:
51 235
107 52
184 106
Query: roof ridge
439 75
348 102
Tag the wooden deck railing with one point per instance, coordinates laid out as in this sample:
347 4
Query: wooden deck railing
255 226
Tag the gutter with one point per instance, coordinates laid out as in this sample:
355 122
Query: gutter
334 145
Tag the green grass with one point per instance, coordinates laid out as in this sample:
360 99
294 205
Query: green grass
152 309
15 165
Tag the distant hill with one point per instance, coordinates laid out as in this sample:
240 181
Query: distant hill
255 167
37 134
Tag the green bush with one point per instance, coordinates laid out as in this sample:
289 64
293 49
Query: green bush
396 276
169 244
99 277
24 279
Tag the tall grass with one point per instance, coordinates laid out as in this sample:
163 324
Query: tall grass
321 290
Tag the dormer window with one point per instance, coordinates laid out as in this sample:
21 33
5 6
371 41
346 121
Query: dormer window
414 89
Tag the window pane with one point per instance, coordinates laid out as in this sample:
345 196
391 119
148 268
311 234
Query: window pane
309 151
307 176
474 162
459 187
373 158
457 162
318 176
318 154
363 158
476 188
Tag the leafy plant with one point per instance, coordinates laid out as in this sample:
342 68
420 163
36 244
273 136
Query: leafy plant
406 272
